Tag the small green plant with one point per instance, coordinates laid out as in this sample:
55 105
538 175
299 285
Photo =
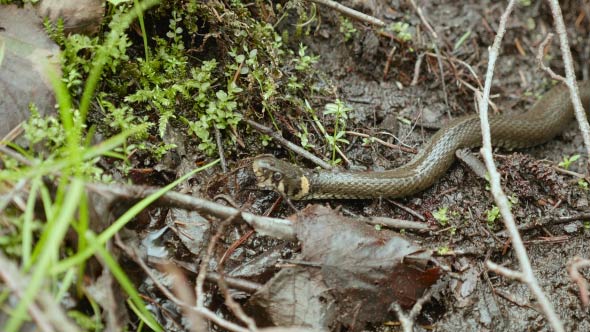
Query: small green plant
347 29
492 215
304 137
339 110
441 216
524 3
587 224
44 130
583 184
452 230
567 161
368 141
444 250
402 30
265 139
304 61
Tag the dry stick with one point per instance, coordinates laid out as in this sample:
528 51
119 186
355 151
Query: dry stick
293 147
351 12
435 39
461 62
541 53
229 301
417 69
170 270
526 274
396 223
15 155
573 269
407 321
12 194
204 312
275 227
220 150
382 142
12 134
231 304
569 73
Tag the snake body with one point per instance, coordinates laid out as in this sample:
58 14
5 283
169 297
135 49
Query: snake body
543 121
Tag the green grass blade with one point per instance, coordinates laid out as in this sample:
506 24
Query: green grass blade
126 284
143 31
107 234
28 220
41 271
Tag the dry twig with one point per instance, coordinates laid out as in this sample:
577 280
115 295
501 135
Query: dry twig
570 74
293 147
229 301
407 321
201 311
220 150
382 142
526 275
573 269
275 227
436 43
351 12
417 69
541 54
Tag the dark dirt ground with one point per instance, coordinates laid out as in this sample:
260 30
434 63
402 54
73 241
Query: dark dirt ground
482 301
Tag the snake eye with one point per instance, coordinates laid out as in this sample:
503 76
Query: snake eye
276 176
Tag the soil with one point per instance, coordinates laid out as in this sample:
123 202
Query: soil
475 299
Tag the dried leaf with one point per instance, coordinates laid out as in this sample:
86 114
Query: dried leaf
351 275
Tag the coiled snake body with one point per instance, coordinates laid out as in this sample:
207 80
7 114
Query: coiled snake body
543 121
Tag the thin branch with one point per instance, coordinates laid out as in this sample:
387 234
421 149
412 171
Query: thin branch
573 269
293 147
15 155
570 74
380 141
396 223
407 321
204 312
508 273
500 198
417 66
234 306
541 55
350 12
461 62
220 150
275 227
436 43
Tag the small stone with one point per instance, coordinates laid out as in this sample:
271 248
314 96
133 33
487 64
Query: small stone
571 228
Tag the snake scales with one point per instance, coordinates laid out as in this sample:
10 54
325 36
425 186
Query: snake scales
543 121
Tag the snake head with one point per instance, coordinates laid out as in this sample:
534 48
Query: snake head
286 178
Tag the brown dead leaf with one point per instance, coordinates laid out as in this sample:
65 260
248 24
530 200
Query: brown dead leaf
361 270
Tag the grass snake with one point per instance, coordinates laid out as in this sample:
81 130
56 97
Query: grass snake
543 121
